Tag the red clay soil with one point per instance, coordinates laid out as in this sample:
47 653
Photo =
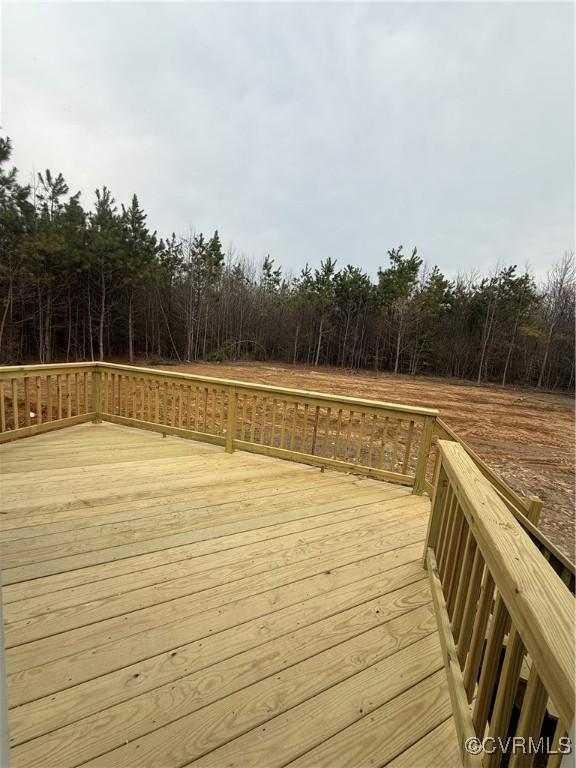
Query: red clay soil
524 434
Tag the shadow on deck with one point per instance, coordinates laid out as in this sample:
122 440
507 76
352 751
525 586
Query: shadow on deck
167 604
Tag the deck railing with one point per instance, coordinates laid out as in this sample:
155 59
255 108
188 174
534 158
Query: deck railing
503 615
383 440
502 591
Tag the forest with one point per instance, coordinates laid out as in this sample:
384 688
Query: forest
100 284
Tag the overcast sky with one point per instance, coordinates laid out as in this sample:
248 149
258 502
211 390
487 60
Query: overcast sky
309 130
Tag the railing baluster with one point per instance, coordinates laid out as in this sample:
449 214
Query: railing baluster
59 379
408 448
38 400
335 454
348 436
370 458
506 695
2 408
253 417
76 408
293 430
15 414
315 429
68 395
324 451
458 558
445 552
474 654
304 442
358 456
283 424
532 716
460 588
27 415
383 444
561 732
394 454
452 562
86 394
490 664
273 424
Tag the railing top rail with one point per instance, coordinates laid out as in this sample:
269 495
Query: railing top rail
256 387
7 371
539 603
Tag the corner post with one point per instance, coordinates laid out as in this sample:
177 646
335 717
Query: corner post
534 509
423 454
231 422
96 396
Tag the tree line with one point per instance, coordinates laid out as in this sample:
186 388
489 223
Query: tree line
80 284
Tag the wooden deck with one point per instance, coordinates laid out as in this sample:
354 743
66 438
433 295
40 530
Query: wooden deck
168 604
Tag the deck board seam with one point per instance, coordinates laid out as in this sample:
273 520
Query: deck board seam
214 634
288 708
192 510
269 675
199 592
162 549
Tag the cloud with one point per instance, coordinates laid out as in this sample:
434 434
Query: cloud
309 130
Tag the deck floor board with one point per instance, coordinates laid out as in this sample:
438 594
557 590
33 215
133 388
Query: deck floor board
168 604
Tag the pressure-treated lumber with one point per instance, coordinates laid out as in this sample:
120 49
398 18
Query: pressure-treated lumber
539 603
209 588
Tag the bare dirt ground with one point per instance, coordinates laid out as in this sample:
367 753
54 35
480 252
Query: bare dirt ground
526 435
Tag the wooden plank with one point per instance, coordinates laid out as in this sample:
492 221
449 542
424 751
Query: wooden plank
38 400
49 404
87 599
2 408
309 652
316 623
115 543
113 534
461 711
291 732
531 718
389 730
474 653
15 414
505 695
490 664
64 666
177 547
138 599
27 416
153 613
437 749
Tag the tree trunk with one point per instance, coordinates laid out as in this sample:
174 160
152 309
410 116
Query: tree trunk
295 353
102 318
545 359
398 347
130 329
7 306
317 358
